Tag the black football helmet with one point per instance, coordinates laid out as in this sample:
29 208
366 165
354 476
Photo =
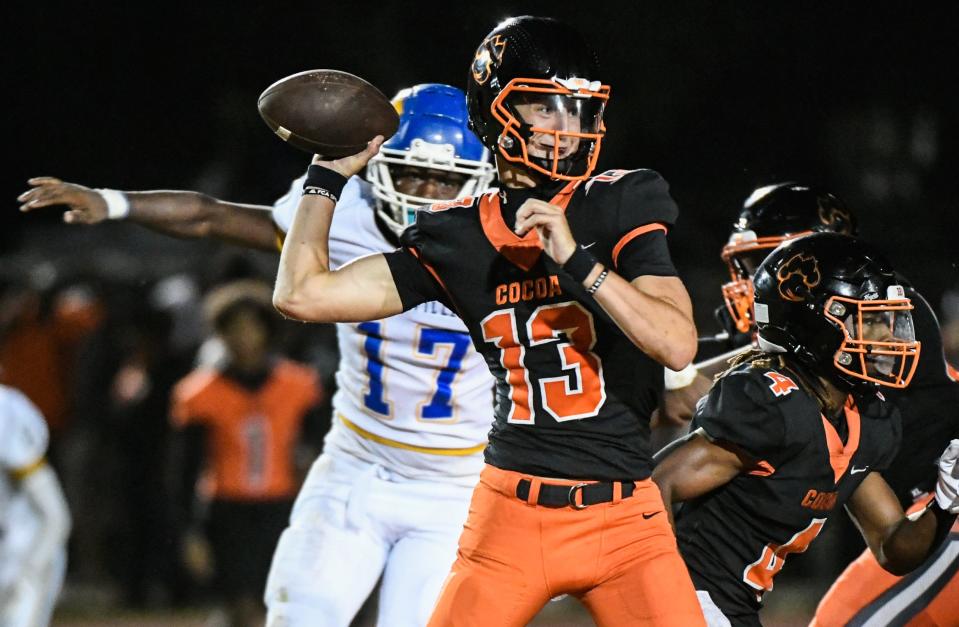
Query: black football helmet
833 302
534 97
771 215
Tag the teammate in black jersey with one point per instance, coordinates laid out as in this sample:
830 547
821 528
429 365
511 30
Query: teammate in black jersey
770 215
565 282
800 428
929 406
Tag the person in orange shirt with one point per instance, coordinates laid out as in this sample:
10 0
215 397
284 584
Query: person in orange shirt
248 413
41 329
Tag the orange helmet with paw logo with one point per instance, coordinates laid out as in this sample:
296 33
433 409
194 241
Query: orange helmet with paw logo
535 98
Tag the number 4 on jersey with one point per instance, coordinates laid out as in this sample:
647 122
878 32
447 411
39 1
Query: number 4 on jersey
781 384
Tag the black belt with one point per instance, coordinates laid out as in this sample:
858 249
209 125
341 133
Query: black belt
551 495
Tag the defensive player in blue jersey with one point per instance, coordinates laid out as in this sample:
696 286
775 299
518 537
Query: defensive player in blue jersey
391 490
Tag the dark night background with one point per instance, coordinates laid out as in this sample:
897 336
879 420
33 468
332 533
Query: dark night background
719 97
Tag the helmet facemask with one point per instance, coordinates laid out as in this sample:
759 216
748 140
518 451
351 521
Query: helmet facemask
553 127
398 209
743 254
433 145
879 342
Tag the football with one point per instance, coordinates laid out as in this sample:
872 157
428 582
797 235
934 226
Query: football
327 112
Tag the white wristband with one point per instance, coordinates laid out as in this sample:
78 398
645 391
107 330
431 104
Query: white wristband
118 205
676 380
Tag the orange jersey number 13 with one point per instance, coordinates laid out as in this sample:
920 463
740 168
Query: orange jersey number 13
577 394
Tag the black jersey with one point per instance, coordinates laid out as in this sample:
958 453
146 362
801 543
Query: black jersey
736 538
573 393
930 410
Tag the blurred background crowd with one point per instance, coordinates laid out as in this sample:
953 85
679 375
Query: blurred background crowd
98 324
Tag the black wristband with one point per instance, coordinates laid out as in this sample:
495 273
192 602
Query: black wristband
324 182
580 264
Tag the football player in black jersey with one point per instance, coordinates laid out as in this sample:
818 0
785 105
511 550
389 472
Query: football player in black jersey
776 213
801 427
565 282
770 215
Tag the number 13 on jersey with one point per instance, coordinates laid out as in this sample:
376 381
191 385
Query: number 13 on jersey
579 392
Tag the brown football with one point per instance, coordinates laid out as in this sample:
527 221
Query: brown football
327 112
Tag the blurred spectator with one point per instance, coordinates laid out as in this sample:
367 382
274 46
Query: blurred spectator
241 418
41 327
34 520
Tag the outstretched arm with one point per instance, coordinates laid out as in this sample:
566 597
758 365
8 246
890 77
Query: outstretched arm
306 288
177 213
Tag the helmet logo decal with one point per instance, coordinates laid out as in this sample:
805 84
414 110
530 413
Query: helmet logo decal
490 53
837 219
797 276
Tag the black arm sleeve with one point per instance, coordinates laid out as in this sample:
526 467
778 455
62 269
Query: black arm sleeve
413 281
646 254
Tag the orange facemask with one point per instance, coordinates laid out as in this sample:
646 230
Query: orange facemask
738 293
557 137
879 342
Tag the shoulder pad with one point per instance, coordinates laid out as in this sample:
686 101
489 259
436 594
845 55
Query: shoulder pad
739 410
435 219
763 384
639 197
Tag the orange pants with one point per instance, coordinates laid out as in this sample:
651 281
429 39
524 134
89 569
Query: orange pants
865 594
619 558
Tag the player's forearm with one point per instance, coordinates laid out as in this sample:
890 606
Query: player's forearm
906 546
194 215
910 542
303 278
655 325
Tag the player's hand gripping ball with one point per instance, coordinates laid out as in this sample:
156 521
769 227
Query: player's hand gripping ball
327 112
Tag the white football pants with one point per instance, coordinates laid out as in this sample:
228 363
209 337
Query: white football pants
34 595
353 521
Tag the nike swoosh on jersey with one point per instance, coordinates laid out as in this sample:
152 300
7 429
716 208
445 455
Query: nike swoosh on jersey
650 515
855 470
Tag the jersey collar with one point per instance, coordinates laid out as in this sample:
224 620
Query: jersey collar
520 251
841 454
